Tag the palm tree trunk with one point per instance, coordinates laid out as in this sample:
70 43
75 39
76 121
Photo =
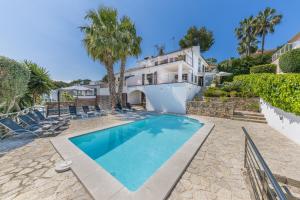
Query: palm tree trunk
121 82
248 50
263 43
112 85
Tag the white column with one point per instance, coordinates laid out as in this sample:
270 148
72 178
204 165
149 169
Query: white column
180 72
190 77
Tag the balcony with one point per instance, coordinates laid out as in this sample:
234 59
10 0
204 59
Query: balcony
167 78
284 49
171 60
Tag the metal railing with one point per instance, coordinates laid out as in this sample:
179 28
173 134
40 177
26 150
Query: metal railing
263 182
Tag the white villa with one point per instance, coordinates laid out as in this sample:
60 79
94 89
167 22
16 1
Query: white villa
293 43
164 83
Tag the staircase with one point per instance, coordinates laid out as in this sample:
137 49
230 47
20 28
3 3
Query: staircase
249 116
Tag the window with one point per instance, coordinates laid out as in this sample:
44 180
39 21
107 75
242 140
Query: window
184 77
150 79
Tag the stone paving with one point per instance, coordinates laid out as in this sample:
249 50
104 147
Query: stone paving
216 172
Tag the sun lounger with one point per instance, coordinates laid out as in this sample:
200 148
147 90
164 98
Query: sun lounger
50 119
87 111
16 129
31 124
99 110
74 113
42 120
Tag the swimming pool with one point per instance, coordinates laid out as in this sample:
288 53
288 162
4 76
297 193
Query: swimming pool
133 152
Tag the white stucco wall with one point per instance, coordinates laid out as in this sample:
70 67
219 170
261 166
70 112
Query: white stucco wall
286 123
167 97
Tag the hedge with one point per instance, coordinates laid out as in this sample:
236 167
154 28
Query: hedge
280 90
267 68
290 61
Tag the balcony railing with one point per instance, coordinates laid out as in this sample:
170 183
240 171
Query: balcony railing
171 60
284 49
263 183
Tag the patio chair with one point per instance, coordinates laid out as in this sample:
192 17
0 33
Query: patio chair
89 113
16 129
73 112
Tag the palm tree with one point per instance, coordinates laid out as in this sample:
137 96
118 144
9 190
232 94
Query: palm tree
39 82
246 33
101 42
130 46
266 22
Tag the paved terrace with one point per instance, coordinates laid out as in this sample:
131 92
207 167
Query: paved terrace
215 173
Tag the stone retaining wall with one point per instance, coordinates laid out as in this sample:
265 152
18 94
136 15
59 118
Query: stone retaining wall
222 107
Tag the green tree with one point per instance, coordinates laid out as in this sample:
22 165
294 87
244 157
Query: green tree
211 60
105 79
246 34
14 77
242 65
40 82
101 42
80 81
265 23
59 84
195 37
130 46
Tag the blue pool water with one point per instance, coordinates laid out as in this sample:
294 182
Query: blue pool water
133 152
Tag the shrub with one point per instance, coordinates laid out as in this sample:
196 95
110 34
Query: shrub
290 61
233 93
267 68
214 92
281 90
232 86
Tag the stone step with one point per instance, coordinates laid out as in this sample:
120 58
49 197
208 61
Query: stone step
249 116
263 121
248 113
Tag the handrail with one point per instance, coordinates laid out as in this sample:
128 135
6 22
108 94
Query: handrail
264 165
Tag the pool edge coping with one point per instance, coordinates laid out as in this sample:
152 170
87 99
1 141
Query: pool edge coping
157 187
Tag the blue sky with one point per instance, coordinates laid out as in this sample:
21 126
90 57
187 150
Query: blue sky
47 32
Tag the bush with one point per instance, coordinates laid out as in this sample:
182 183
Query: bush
267 68
214 92
280 90
290 61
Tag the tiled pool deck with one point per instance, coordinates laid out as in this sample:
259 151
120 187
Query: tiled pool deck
215 172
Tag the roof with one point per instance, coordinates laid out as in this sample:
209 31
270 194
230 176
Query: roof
76 87
295 38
